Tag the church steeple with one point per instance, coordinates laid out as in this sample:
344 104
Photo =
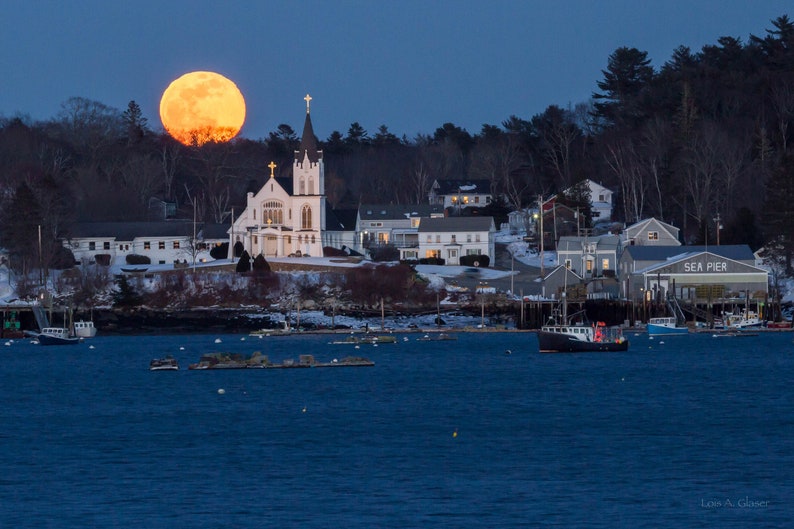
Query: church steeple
308 144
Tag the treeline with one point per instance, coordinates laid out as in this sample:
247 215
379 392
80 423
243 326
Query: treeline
704 136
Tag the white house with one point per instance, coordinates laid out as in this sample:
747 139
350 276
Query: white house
460 194
287 216
600 200
449 238
650 232
162 242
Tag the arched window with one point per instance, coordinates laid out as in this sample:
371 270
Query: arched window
311 185
313 239
306 217
302 186
254 214
273 212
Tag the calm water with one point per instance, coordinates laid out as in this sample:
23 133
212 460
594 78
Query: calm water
679 432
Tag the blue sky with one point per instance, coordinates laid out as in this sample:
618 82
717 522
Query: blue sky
411 65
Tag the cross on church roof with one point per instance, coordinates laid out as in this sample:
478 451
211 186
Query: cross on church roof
272 167
307 99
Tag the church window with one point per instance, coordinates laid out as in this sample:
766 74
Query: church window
254 214
311 185
313 239
306 217
273 212
302 186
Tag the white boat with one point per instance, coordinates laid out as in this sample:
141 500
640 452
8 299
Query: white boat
666 325
84 329
743 320
56 336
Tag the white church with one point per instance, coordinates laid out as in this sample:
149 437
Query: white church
287 216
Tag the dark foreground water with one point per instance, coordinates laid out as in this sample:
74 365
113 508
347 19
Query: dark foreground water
690 431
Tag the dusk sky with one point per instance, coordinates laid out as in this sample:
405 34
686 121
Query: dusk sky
411 65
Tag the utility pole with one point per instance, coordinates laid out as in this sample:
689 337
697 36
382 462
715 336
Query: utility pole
718 221
540 212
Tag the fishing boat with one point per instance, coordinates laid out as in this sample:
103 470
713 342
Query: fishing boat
745 319
84 329
562 335
666 326
56 336
168 363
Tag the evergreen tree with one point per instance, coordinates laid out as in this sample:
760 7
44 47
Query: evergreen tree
778 215
244 264
125 295
134 122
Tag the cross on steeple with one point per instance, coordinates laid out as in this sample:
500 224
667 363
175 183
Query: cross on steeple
307 99
272 167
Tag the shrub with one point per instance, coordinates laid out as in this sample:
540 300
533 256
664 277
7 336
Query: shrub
220 251
102 259
135 259
431 261
475 260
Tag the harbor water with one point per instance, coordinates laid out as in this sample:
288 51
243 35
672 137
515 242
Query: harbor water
482 431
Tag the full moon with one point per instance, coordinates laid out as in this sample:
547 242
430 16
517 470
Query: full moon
202 106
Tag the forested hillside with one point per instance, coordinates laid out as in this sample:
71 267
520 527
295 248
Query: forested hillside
707 133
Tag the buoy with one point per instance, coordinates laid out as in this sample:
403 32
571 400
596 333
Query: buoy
7 343
661 343
357 347
455 433
90 346
508 352
181 348
242 339
304 409
221 391
217 340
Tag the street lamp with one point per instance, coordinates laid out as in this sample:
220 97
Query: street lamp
718 222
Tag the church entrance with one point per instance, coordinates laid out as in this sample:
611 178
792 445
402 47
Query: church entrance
271 245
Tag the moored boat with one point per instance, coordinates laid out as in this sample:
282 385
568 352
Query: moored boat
168 363
84 329
573 338
666 326
741 320
56 336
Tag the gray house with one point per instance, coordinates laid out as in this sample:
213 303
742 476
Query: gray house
650 232
394 224
589 257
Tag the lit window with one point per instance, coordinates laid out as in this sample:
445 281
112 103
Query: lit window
147 245
176 245
161 245
653 235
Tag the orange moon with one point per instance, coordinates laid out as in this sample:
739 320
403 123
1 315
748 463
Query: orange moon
202 106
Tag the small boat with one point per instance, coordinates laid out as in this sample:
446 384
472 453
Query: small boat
56 336
168 363
666 326
741 320
84 329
